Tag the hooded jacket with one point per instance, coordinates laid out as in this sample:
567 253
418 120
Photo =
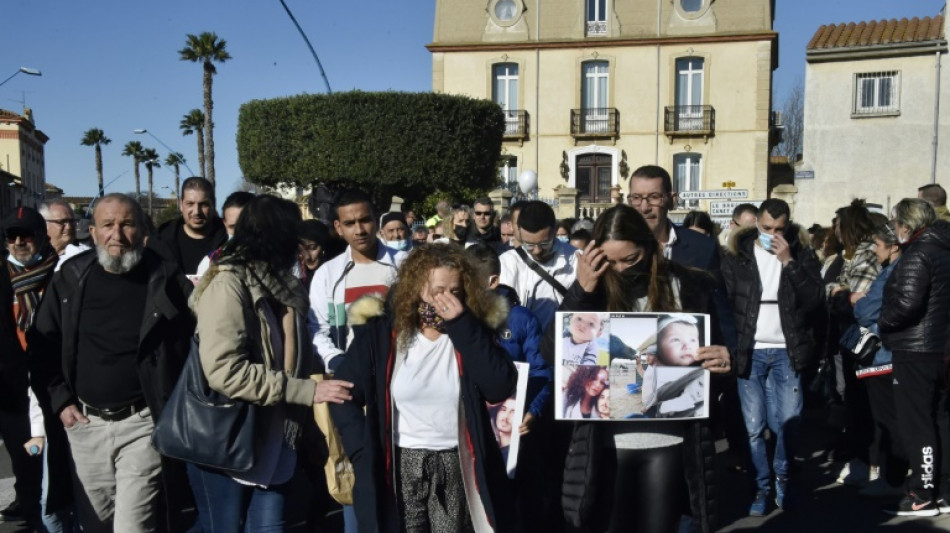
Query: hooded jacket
366 423
916 306
800 293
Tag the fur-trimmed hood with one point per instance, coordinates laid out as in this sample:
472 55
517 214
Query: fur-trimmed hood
739 239
373 305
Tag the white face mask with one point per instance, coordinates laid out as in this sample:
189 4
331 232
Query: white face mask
563 238
402 245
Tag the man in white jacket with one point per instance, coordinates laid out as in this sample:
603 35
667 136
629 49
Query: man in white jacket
367 266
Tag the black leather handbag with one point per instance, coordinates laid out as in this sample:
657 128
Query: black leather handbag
201 426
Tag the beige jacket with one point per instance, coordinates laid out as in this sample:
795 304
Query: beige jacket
237 354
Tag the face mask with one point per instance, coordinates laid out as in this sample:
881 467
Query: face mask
429 318
398 245
33 260
563 238
461 232
765 239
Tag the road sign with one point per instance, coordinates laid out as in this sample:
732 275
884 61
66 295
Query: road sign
723 193
804 174
724 209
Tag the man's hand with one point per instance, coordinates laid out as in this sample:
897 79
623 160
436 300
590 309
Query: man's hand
332 390
591 265
37 442
71 415
715 359
526 424
781 250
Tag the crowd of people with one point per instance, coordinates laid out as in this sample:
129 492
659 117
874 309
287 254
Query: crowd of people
418 323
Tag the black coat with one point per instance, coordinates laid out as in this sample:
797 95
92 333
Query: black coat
366 426
163 346
916 311
582 468
166 241
800 294
14 381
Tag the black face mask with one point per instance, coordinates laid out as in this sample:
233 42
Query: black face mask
461 232
637 272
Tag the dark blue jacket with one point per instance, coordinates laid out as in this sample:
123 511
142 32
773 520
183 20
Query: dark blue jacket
521 338
868 310
696 250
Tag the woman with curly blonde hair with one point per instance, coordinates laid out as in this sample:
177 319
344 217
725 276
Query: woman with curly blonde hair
417 429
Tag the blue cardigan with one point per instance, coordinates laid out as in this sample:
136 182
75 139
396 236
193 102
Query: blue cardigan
868 310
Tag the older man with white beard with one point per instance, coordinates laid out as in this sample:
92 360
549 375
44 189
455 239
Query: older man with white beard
110 341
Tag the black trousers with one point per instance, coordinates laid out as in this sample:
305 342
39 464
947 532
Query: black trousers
642 490
886 450
28 470
920 400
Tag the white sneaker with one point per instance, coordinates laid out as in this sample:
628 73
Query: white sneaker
874 473
879 488
854 472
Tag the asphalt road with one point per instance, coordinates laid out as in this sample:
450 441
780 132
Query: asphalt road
822 506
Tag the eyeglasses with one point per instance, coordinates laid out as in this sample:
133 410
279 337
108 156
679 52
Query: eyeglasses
13 234
483 213
530 246
654 199
61 221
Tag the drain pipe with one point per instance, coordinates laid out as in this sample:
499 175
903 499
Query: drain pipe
537 89
936 133
656 134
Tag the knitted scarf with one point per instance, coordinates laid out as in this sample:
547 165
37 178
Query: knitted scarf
29 284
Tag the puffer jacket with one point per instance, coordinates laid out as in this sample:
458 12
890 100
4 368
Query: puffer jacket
366 423
916 308
800 293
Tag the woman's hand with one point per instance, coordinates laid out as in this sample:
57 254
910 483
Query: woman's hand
332 390
855 296
447 305
715 359
526 423
591 265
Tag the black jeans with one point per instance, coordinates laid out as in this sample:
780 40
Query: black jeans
641 490
920 399
886 450
27 470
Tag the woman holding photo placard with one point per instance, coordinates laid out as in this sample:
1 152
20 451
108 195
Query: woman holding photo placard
625 476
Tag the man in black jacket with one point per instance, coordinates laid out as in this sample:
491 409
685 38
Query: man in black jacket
109 343
774 282
199 231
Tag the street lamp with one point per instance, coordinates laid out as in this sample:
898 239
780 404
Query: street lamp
25 70
142 131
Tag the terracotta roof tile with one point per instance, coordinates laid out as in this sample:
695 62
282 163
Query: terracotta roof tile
878 32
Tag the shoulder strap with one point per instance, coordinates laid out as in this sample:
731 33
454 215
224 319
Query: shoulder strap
541 272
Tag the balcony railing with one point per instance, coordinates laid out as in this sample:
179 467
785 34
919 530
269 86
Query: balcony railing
596 27
595 122
690 120
516 124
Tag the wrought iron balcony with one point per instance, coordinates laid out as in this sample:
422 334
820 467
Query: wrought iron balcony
516 124
595 122
687 120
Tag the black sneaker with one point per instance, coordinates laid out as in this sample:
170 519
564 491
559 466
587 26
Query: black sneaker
12 513
913 505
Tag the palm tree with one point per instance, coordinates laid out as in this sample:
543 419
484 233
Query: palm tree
175 160
206 48
150 158
96 138
194 122
134 150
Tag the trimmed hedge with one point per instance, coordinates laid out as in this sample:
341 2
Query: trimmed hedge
407 144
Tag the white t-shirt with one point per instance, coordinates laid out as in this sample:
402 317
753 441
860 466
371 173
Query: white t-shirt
768 328
425 391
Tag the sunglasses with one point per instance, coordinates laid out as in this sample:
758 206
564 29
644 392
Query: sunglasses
13 234
483 213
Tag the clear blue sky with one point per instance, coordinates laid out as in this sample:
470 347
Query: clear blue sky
113 64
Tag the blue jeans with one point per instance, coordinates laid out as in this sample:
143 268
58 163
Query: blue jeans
771 395
226 506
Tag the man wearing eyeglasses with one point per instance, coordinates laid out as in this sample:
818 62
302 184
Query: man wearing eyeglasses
485 230
540 267
61 229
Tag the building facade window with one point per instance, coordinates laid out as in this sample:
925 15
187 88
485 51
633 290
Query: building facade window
593 177
596 17
508 173
689 93
594 95
692 6
505 93
877 93
687 176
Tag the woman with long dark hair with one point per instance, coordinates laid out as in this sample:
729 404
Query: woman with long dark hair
417 429
255 347
583 390
648 466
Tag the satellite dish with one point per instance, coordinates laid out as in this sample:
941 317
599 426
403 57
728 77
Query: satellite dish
528 181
